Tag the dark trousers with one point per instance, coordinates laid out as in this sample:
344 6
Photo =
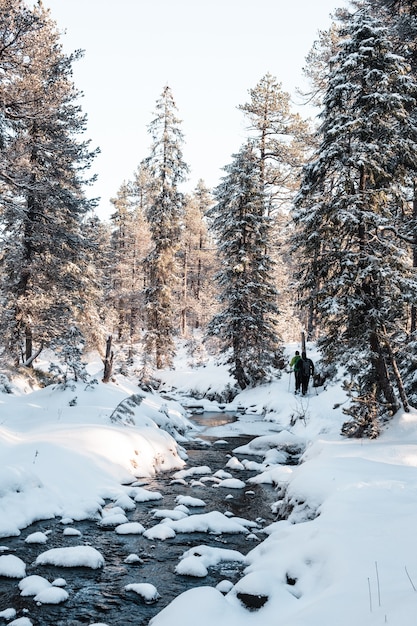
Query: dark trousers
304 384
297 376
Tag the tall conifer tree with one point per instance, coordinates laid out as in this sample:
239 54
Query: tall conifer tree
164 214
198 261
241 225
355 267
45 258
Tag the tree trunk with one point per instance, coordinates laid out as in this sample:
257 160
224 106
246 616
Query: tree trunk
108 361
303 342
28 345
383 381
184 297
29 360
413 322
400 385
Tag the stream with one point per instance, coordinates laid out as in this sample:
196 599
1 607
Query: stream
99 596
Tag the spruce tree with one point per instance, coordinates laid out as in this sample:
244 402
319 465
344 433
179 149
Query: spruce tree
165 216
354 264
44 202
245 324
400 16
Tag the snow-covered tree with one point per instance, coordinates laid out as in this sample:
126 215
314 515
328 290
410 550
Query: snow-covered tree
44 162
197 257
280 138
401 18
245 323
355 267
164 214
130 245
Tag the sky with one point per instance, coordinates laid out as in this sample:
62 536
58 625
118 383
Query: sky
345 554
209 53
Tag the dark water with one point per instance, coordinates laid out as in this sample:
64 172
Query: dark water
99 595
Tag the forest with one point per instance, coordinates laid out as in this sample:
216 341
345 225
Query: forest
311 229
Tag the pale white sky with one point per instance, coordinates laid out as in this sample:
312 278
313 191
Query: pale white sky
209 52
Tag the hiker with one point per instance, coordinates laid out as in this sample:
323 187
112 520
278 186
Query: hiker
297 373
305 367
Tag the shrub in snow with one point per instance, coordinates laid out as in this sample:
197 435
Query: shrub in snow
5 386
124 412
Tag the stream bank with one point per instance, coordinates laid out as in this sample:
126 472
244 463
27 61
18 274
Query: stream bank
100 595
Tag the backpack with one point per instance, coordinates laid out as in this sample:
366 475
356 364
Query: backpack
305 366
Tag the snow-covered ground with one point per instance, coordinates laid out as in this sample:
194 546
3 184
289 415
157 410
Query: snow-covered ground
346 554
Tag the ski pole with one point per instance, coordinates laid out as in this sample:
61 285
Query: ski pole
289 381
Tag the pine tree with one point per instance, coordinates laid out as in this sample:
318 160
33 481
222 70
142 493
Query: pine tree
279 137
400 17
281 140
164 214
246 322
130 245
43 181
198 262
355 267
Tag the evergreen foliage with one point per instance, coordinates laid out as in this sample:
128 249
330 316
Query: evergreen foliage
165 218
279 138
246 322
355 266
198 262
45 259
130 244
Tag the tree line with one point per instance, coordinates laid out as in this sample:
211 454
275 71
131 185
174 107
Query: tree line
312 226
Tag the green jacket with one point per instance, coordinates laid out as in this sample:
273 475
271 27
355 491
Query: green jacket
294 360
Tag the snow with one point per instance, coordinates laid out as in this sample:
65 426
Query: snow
232 483
37 537
160 531
147 591
214 522
344 553
32 585
11 566
76 556
52 595
189 501
130 528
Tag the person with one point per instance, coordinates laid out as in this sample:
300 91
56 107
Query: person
297 374
305 367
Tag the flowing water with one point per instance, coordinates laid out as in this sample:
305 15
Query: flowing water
99 595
